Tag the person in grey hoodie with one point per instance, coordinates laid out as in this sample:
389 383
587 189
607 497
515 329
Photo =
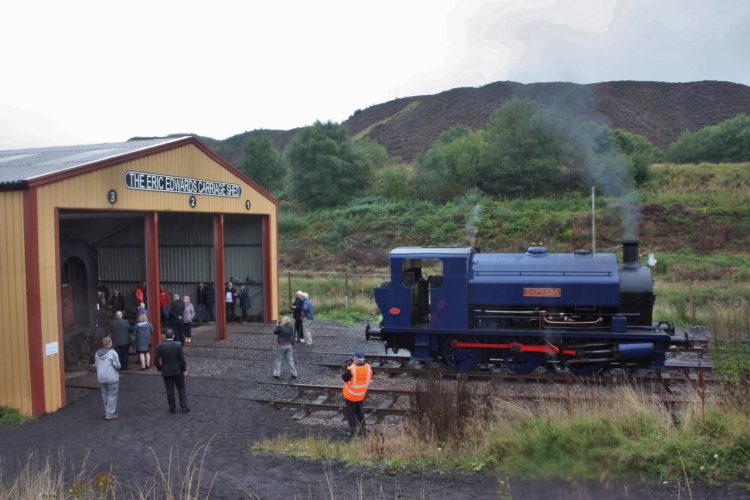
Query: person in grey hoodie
107 366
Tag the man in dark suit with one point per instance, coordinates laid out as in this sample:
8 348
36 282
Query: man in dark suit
170 361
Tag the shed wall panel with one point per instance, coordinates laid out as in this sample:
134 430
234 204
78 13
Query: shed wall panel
15 381
89 192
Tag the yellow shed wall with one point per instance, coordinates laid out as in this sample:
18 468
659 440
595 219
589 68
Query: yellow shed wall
15 378
89 192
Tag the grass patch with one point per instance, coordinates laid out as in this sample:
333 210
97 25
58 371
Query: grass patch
12 417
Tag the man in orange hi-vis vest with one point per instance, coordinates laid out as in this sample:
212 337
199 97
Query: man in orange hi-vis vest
357 377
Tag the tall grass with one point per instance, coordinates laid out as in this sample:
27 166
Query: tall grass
49 478
731 351
585 436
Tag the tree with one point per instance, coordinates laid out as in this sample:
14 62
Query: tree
262 163
392 181
451 165
326 168
524 151
375 153
728 141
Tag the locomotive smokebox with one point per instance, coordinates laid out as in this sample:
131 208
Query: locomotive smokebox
630 254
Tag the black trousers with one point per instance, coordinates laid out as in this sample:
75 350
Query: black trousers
230 312
211 309
122 353
187 330
172 381
298 328
355 415
177 329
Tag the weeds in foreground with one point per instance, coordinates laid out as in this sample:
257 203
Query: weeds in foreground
626 434
48 478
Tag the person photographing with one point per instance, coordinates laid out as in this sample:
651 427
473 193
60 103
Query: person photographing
357 376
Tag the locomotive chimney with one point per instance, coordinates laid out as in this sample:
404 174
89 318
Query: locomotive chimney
630 254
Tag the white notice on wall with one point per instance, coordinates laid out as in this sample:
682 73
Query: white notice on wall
52 348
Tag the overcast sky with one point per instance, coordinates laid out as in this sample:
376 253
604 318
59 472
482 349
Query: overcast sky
77 72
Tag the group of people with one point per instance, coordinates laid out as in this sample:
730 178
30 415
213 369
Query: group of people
234 297
357 376
169 359
302 312
172 308
287 333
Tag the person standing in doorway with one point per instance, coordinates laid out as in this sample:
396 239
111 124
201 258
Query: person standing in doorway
140 294
188 314
244 297
141 311
297 315
176 310
121 338
107 366
230 295
307 318
200 299
284 339
211 303
357 377
170 361
164 303
116 303
143 332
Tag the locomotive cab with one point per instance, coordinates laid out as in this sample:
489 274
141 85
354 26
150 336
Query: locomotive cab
428 291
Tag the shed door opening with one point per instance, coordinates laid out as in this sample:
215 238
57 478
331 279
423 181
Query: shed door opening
98 252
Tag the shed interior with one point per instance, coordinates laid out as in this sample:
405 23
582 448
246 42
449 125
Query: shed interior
109 247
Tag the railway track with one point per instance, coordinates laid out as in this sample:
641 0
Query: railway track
311 398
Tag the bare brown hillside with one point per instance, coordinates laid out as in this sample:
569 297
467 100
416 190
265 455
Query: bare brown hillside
656 110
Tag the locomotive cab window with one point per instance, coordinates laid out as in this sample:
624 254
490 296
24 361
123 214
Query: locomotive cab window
421 275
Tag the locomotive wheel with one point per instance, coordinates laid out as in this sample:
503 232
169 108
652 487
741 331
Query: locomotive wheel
523 362
584 369
462 359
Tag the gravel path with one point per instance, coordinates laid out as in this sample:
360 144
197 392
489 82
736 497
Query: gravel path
146 432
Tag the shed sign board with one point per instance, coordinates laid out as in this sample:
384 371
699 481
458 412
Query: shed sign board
145 181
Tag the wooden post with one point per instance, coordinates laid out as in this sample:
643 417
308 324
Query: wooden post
346 289
152 277
221 317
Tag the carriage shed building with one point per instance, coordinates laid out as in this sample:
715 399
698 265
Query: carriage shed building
166 211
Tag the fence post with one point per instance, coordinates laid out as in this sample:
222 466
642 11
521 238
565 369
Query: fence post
346 289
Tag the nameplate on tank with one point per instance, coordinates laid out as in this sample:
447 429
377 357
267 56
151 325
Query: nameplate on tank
542 292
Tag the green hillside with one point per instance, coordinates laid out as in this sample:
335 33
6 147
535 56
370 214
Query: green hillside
702 209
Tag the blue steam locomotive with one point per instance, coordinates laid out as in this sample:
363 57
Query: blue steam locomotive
583 311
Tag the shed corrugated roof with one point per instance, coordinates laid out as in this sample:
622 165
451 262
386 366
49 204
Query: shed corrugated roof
18 166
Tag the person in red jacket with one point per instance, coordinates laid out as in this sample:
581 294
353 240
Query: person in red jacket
357 377
164 303
140 293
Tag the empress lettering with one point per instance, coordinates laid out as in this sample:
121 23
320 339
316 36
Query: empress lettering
542 292
145 181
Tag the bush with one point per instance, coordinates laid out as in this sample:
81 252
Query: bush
728 141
